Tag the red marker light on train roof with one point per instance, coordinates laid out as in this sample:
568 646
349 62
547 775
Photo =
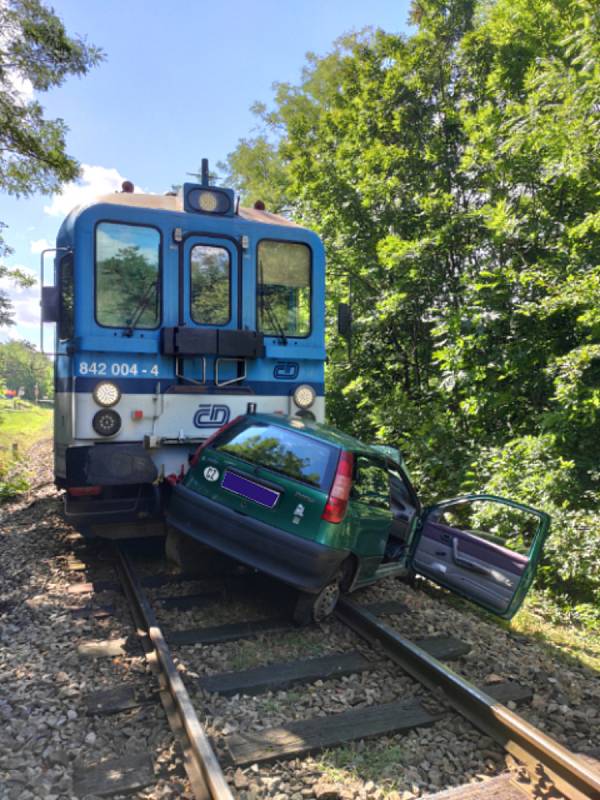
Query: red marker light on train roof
137 414
259 205
127 187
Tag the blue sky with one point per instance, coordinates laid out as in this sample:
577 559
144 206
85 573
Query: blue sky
177 84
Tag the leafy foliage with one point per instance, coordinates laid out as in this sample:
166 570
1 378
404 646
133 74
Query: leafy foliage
35 54
454 178
23 366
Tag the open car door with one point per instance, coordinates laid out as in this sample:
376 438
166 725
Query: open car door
482 547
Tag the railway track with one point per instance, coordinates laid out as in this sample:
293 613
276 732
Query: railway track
552 770
201 764
542 756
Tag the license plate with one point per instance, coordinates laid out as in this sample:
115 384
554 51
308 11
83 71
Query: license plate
246 488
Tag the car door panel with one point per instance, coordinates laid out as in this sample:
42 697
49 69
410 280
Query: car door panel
485 571
468 563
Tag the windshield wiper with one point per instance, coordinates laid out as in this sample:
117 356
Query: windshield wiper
140 308
272 317
265 306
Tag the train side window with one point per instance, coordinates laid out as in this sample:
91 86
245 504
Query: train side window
210 285
127 276
284 288
65 282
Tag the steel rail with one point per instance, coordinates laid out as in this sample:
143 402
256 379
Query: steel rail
539 753
201 763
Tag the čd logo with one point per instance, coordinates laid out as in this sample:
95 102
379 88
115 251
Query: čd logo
211 416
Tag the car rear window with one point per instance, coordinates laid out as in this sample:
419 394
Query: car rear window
281 450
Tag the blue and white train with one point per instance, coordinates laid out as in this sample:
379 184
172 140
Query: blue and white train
173 315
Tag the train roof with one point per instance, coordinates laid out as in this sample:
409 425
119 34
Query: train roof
174 202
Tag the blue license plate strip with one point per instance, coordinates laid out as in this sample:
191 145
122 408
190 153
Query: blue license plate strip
252 491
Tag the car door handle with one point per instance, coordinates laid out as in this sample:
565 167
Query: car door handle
466 563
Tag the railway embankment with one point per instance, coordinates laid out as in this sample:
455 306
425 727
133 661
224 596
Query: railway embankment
66 638
23 426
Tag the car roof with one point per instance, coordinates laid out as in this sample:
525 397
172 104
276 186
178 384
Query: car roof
319 430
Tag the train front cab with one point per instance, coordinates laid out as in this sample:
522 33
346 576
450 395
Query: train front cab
174 315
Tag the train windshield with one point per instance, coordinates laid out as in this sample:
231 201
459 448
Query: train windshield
127 276
281 450
284 289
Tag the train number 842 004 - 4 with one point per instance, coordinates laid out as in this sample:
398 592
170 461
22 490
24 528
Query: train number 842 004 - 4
123 369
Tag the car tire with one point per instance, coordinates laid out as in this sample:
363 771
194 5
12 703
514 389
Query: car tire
317 607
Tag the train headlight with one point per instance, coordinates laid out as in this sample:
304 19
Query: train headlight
304 396
106 394
210 201
106 422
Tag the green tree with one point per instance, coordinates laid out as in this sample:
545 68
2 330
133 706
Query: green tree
453 176
35 50
256 168
23 366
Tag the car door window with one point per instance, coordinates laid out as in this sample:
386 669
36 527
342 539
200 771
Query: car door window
371 485
501 525
403 505
401 496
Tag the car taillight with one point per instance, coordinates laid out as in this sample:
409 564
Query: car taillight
196 457
337 502
84 491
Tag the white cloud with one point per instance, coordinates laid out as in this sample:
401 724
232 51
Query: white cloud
94 180
38 245
21 86
26 301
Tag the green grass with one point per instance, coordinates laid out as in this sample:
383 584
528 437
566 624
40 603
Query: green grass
24 427
543 619
372 761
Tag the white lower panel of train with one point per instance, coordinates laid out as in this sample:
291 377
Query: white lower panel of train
165 416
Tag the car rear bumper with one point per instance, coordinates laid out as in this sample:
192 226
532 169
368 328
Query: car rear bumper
301 563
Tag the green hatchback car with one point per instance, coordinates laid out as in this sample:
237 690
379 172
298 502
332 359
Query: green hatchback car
325 513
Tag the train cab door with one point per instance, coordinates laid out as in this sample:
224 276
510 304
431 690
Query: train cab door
483 547
209 303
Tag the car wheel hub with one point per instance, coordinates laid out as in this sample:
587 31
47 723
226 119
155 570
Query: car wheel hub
326 601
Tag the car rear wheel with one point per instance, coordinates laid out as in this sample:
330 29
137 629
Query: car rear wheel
317 607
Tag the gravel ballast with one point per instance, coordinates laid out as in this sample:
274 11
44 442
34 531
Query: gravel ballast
46 736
